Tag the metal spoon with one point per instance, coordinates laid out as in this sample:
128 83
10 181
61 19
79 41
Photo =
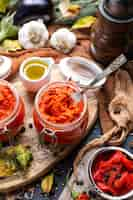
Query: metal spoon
116 64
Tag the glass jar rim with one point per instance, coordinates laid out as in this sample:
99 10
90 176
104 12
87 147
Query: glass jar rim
59 125
14 91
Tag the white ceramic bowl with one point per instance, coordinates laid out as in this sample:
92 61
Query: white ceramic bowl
35 85
5 67
86 70
90 166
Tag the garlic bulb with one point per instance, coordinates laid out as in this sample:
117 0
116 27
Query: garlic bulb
33 34
63 40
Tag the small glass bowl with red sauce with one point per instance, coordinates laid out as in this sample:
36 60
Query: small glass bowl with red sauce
12 111
57 118
111 173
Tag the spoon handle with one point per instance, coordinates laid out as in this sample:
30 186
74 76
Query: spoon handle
116 64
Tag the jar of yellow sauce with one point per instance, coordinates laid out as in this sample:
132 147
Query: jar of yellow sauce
35 72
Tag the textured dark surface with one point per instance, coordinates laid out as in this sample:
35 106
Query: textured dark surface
61 171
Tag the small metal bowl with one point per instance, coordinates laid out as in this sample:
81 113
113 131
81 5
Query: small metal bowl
96 188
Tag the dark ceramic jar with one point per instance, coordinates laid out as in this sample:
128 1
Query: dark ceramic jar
109 37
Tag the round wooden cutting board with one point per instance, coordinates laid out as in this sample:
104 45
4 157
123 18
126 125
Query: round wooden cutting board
43 158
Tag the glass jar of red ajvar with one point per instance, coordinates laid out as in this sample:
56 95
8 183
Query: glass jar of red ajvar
12 111
57 117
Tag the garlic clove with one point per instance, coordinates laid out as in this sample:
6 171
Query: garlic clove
63 40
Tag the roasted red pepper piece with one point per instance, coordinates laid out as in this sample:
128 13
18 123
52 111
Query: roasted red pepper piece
119 183
127 163
106 188
125 180
115 171
130 182
116 158
109 171
98 175
83 197
112 177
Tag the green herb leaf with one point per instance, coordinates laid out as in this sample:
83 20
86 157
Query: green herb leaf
88 8
47 183
7 28
3 5
74 194
12 3
84 22
23 156
13 159
11 45
7 4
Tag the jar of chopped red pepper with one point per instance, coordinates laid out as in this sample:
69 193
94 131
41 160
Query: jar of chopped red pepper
12 111
57 117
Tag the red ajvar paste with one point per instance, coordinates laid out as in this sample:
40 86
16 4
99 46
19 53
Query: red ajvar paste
113 173
7 102
56 105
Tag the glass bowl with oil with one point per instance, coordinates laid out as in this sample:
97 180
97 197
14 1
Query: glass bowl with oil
35 72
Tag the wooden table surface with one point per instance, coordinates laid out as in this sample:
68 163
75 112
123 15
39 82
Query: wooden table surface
61 170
